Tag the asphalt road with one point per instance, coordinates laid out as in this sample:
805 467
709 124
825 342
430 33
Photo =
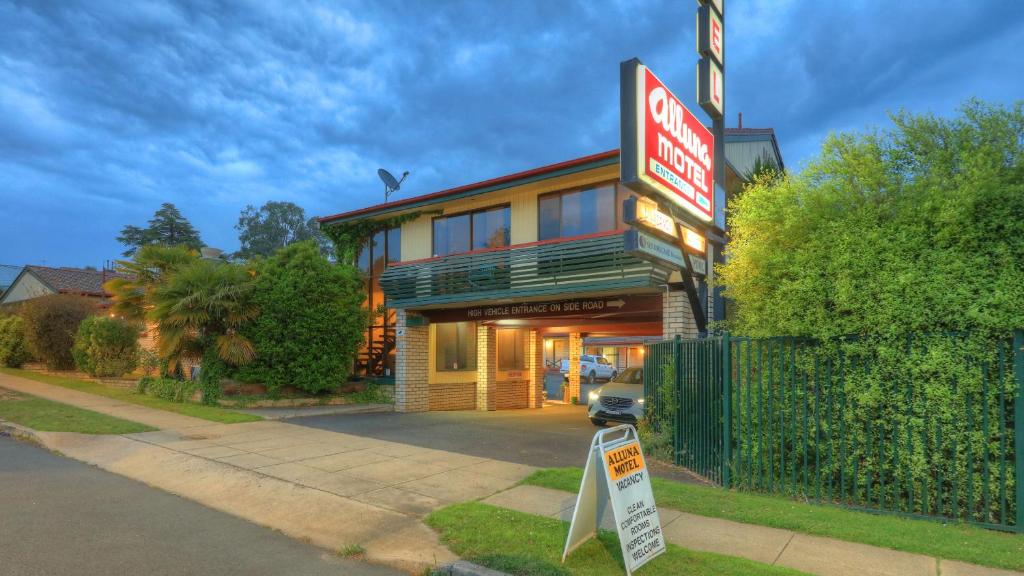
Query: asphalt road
555 436
62 517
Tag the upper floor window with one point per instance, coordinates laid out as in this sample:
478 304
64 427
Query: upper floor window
385 247
487 228
578 212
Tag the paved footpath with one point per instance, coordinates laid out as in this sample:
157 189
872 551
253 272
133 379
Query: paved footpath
811 554
335 490
330 489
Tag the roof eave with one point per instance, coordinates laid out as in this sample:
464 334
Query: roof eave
500 183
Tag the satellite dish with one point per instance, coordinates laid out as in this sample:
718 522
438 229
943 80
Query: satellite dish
391 183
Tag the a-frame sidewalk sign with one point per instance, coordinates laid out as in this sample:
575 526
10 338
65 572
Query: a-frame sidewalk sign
616 472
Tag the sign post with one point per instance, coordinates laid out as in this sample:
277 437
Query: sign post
616 472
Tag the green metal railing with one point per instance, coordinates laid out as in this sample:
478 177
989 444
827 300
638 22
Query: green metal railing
916 433
594 263
685 382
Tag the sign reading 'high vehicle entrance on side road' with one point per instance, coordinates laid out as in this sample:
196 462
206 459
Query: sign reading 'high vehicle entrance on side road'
616 472
665 148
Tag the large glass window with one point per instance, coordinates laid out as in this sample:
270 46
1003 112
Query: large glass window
455 346
488 228
377 357
492 228
511 349
451 235
578 212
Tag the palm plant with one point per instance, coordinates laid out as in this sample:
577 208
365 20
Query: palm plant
199 309
139 276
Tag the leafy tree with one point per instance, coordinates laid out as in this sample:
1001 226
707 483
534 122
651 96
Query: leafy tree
50 325
167 228
311 322
139 276
273 226
106 346
919 228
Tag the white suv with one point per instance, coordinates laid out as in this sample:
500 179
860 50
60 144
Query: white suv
621 400
592 368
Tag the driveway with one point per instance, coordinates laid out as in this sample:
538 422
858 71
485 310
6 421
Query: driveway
62 517
555 436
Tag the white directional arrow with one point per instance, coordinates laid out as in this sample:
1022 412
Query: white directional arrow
615 303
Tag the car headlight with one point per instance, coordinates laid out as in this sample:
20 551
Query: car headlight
594 396
640 401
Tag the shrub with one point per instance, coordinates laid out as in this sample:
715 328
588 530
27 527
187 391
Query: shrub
909 239
106 346
167 388
918 228
148 361
13 351
311 321
50 326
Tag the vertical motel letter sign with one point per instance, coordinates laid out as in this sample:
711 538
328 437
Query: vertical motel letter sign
666 151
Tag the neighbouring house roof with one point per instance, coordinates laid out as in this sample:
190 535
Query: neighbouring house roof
8 274
63 281
732 135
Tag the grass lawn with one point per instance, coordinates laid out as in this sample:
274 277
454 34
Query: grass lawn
211 413
44 415
951 541
524 544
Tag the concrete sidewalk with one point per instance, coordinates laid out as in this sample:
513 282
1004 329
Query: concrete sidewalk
811 554
331 489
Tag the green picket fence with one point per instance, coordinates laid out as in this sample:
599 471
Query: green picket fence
928 431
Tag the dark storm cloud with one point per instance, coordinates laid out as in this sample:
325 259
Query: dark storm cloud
108 110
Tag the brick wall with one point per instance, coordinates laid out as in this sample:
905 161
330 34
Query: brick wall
485 367
411 365
512 394
676 316
461 396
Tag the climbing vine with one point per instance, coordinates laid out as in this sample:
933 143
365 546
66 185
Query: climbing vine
350 237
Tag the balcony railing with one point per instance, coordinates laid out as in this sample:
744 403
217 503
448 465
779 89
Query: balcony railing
593 263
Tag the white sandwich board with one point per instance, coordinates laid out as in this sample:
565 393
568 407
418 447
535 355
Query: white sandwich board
617 472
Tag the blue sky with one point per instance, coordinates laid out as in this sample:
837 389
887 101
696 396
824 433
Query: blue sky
108 110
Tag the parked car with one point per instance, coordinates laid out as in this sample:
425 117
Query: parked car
621 400
592 368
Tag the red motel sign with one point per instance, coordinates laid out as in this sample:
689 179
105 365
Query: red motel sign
666 150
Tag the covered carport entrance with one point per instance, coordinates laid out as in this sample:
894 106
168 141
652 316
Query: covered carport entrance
501 356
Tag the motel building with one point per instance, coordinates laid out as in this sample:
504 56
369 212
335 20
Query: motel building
486 288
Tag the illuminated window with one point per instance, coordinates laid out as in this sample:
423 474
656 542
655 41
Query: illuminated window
455 346
511 349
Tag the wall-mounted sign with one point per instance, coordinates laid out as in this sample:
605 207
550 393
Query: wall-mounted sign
648 247
710 87
710 35
644 212
617 472
694 241
666 150
699 264
633 305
